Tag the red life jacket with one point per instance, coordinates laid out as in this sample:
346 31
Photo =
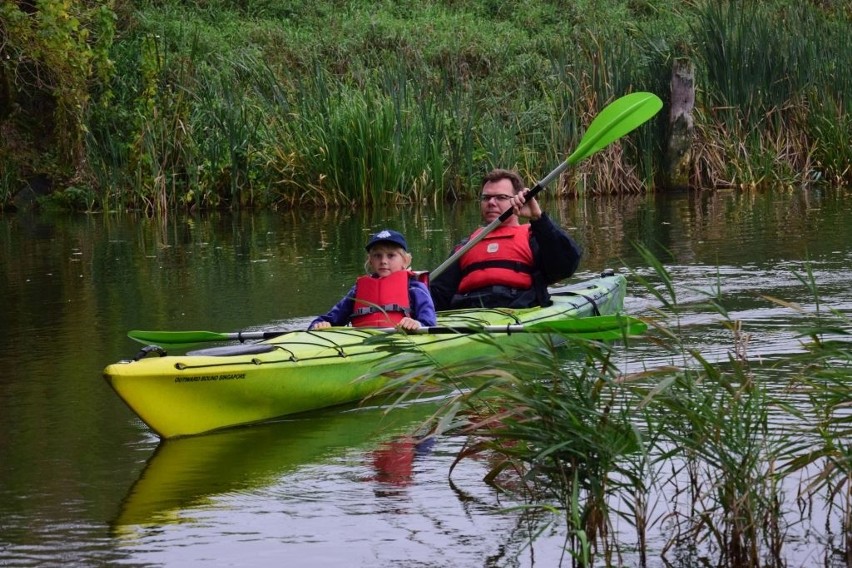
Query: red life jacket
502 258
381 302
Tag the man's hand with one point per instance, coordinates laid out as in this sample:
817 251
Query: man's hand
523 208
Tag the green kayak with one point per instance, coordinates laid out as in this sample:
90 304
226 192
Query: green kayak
298 371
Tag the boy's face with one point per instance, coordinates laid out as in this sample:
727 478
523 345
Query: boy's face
387 259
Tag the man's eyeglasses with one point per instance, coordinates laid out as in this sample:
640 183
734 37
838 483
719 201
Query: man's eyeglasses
500 197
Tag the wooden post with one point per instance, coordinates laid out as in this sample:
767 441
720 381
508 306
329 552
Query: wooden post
681 126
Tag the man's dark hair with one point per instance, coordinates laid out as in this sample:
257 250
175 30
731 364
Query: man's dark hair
498 174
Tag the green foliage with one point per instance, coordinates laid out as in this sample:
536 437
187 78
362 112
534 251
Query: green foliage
55 59
260 103
72 199
8 180
777 75
759 58
369 145
824 457
567 431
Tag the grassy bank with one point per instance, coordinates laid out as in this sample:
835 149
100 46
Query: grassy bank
271 104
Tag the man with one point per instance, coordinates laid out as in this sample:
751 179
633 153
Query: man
513 265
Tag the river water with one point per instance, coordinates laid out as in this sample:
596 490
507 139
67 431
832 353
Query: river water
83 482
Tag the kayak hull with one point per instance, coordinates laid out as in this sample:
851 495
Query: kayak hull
181 395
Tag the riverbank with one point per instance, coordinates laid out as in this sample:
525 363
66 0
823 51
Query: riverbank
168 105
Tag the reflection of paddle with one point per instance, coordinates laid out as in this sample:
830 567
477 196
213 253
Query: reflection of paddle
597 327
614 121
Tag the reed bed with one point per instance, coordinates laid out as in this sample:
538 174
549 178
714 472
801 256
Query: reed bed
703 450
776 80
274 106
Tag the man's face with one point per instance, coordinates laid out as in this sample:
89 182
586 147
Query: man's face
495 199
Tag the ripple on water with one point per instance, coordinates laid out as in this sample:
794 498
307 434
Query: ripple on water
340 513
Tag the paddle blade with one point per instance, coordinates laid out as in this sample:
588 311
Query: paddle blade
187 337
175 337
617 119
596 327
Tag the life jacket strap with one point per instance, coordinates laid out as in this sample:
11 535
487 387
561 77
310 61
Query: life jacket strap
383 309
507 264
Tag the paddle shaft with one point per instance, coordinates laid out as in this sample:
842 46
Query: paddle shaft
178 337
590 326
465 329
510 329
585 326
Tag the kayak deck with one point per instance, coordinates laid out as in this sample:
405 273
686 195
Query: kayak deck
210 389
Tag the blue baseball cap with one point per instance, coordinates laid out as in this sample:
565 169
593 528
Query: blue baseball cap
387 236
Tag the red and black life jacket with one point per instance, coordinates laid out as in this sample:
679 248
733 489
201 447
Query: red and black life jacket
382 302
502 258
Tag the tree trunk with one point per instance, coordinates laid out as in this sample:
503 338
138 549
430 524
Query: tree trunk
681 127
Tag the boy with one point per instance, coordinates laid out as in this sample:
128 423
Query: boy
389 296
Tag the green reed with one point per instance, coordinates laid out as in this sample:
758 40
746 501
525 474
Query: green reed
712 420
265 106
832 157
233 128
776 77
8 180
359 145
227 126
566 431
566 436
147 146
717 423
710 429
823 455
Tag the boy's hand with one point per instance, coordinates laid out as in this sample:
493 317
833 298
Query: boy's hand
408 324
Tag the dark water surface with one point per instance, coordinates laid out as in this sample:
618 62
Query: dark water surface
83 482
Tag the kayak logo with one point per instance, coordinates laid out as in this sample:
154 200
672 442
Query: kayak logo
492 248
228 377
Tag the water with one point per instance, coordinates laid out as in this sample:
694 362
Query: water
83 482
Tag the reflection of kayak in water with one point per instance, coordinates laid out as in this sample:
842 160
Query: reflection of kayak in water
190 472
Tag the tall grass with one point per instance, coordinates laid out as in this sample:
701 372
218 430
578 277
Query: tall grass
388 115
364 145
824 457
8 180
776 80
255 105
568 432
